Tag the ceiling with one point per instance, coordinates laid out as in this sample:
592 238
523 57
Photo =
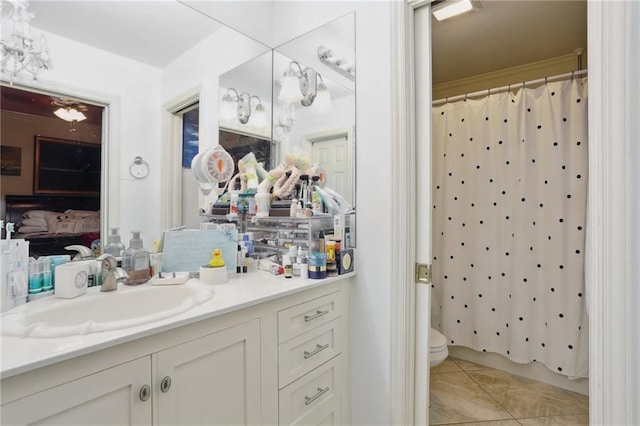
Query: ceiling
502 34
505 34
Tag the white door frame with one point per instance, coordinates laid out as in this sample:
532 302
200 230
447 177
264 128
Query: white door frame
613 230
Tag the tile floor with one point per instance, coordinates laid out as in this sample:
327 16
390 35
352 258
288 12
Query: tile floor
464 393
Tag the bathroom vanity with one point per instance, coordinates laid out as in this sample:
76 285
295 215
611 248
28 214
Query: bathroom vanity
262 350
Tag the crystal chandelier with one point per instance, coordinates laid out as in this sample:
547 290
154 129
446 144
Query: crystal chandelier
21 51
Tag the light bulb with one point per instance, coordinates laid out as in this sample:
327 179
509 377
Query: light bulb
322 102
228 108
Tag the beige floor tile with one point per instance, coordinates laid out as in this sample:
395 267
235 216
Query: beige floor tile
455 398
447 366
583 399
491 423
468 366
575 420
527 398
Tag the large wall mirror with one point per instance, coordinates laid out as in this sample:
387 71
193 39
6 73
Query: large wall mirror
318 66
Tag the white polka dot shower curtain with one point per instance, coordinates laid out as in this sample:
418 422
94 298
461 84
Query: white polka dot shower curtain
509 214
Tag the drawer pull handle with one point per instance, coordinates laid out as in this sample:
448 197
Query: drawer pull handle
318 314
319 348
321 391
165 384
145 392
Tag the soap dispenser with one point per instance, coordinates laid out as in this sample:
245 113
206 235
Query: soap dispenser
114 245
136 261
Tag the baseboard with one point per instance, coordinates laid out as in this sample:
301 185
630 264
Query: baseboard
533 370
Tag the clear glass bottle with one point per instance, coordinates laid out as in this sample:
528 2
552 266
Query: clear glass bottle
114 245
136 261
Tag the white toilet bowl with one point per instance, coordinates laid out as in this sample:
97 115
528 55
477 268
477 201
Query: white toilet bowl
438 350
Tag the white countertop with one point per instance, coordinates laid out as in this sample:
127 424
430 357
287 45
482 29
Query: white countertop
20 354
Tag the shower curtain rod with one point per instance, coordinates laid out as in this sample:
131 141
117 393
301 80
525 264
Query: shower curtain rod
508 88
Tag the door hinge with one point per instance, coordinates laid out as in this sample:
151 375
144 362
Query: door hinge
423 273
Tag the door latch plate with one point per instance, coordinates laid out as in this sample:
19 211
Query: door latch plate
423 273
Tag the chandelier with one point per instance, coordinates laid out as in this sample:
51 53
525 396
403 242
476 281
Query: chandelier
21 51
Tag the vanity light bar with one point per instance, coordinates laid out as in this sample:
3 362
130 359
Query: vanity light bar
344 68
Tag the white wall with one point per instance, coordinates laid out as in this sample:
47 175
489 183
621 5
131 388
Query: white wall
133 91
198 70
371 291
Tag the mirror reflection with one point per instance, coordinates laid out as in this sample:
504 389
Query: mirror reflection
311 100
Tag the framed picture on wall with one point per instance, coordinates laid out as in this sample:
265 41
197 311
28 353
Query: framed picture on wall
11 160
64 166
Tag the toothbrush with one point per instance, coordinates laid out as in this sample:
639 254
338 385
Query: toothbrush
10 229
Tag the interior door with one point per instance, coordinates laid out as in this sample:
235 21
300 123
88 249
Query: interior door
333 151
422 73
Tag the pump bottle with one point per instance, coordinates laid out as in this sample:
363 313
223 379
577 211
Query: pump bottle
114 245
135 260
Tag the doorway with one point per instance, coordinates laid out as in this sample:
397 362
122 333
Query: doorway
422 109
58 146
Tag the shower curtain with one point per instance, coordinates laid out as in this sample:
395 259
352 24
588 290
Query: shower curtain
509 214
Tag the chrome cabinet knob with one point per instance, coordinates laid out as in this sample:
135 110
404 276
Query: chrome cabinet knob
145 392
165 384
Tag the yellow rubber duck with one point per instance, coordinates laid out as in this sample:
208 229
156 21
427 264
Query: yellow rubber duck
216 259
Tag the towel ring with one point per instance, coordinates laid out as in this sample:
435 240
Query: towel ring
139 169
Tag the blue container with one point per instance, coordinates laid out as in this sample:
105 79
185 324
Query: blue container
317 266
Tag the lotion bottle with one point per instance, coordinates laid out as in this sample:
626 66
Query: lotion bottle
136 261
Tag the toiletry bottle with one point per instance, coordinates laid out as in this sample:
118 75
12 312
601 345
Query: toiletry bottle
136 261
114 245
288 267
321 248
316 200
293 210
233 199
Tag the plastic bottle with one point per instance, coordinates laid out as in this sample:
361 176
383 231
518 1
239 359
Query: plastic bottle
287 265
114 245
293 210
136 261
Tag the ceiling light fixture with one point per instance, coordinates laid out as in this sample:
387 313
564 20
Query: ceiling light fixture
450 8
20 51
69 114
69 110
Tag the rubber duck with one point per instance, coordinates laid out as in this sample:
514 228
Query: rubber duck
216 259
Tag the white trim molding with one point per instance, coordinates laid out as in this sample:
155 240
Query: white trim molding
403 292
613 219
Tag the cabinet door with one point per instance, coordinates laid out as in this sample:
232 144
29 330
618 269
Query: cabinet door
213 380
110 397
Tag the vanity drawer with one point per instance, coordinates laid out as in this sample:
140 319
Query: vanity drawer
306 316
303 353
314 399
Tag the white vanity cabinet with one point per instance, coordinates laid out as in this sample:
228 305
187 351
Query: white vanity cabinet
119 395
312 381
213 380
282 361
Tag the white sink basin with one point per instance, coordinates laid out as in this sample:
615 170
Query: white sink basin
97 311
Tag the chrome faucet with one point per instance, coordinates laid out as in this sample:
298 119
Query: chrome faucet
110 273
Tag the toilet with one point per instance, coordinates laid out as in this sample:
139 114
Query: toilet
438 351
